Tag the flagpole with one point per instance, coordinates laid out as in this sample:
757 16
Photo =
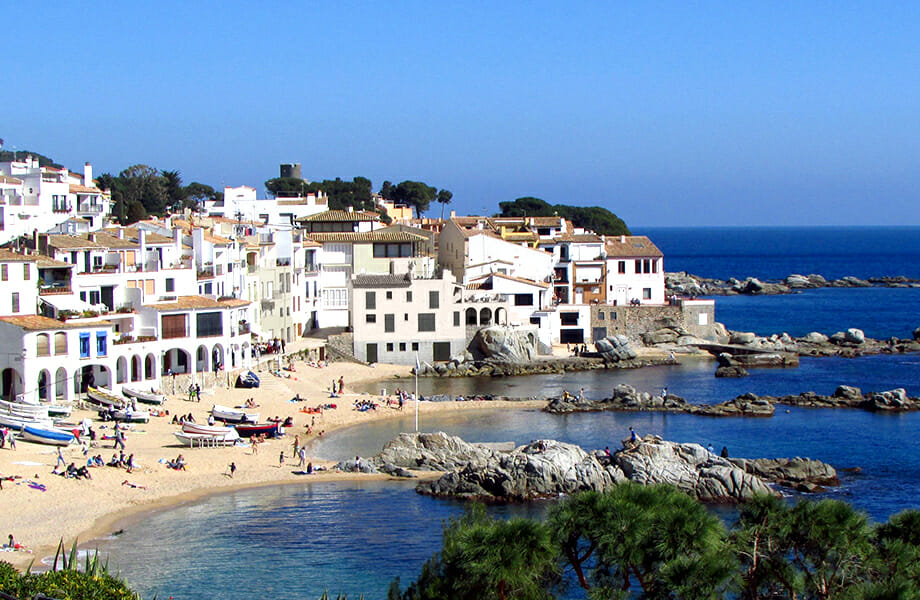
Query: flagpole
417 366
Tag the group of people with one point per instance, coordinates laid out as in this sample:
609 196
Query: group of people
194 392
363 405
182 419
338 387
579 350
6 437
178 464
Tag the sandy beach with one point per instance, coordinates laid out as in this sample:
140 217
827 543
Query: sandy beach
85 509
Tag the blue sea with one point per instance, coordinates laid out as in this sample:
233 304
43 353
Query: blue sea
295 541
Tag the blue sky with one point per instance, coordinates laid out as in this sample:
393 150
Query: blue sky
771 113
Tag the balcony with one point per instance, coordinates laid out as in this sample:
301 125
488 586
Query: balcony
252 269
53 289
89 209
62 208
311 267
206 274
268 305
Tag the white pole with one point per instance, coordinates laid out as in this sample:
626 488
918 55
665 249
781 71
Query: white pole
416 391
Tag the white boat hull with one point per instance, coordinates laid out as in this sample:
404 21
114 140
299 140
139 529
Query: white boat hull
142 396
233 415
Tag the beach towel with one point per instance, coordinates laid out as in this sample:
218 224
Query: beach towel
37 486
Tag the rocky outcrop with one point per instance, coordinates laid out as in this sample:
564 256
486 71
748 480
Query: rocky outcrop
626 398
754 350
547 468
506 344
731 371
801 474
895 400
691 468
615 348
685 284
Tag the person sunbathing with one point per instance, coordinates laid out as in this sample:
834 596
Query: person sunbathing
133 485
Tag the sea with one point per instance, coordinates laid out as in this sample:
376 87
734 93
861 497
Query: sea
296 541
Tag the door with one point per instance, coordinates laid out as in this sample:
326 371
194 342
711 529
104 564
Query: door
441 351
620 296
372 353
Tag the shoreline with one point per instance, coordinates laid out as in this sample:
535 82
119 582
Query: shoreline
89 510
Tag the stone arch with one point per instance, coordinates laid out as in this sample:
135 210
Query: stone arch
10 384
121 370
150 367
471 316
60 343
501 316
201 359
217 356
94 375
176 360
43 344
135 368
485 316
44 383
234 353
60 384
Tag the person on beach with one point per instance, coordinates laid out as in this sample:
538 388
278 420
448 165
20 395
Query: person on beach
133 485
60 459
633 437
198 392
309 468
296 443
581 395
341 385
232 469
119 438
281 460
191 392
724 453
302 455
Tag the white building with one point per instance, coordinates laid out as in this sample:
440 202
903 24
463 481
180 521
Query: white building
634 270
472 252
242 203
34 198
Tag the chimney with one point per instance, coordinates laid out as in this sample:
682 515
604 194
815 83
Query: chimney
142 242
91 237
121 233
88 175
453 214
622 239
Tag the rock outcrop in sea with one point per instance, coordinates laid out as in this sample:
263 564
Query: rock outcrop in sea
626 398
547 468
685 284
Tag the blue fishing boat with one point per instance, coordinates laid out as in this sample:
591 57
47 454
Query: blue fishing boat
43 435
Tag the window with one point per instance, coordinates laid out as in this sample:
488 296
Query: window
389 323
209 324
4 275
426 322
173 326
389 295
568 318
170 284
101 345
600 315
415 346
638 266
535 321
654 265
621 267
26 272
84 345
83 296
405 316
95 297
97 262
402 346
403 250
434 300
370 318
370 300
15 302
456 318
646 293
523 299
43 345
390 347
408 296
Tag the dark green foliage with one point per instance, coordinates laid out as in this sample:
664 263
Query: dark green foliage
416 194
597 219
43 161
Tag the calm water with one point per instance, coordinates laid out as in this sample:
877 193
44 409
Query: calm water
295 541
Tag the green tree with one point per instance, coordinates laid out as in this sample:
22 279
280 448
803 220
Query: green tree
176 194
897 552
485 558
760 541
594 218
416 194
444 198
197 193
143 184
526 207
286 187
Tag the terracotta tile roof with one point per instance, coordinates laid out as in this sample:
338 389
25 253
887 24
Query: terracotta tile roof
368 236
8 179
7 255
339 216
631 246
588 238
209 235
46 262
196 302
82 189
40 323
71 242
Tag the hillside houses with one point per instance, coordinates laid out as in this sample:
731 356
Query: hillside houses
185 298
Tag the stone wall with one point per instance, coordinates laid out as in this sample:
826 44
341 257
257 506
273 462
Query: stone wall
633 321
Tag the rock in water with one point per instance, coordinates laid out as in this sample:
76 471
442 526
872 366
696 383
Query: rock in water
732 371
506 344
615 348
689 467
547 468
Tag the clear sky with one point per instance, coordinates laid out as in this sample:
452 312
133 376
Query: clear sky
683 113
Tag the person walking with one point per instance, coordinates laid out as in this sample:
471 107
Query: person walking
60 459
119 438
281 459
232 469
302 455
341 385
198 392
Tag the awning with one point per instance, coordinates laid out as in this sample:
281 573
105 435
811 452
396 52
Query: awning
67 302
